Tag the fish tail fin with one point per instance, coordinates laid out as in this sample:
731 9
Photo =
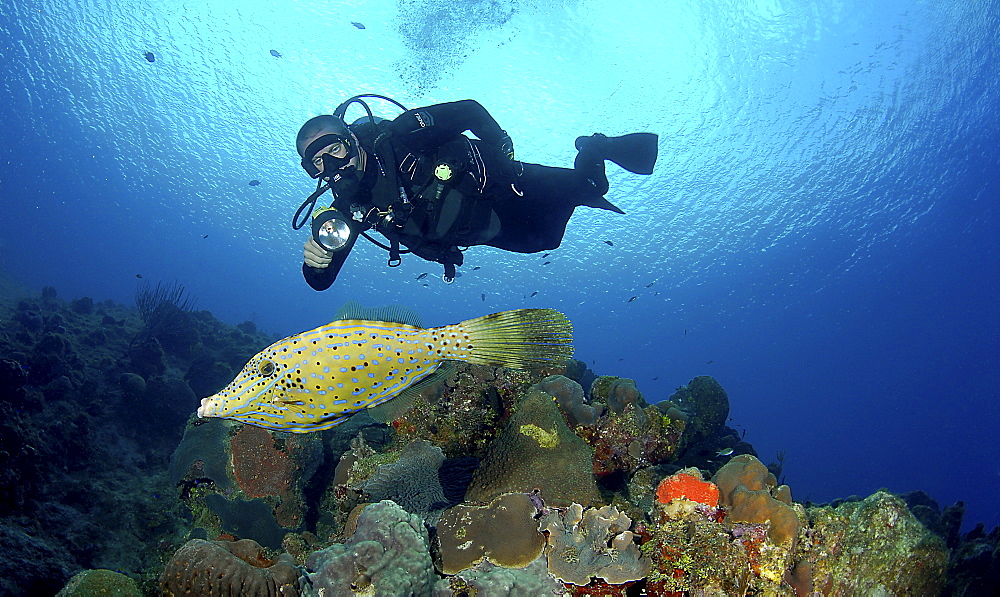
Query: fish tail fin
517 339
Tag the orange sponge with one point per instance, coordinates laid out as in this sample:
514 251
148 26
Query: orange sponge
688 485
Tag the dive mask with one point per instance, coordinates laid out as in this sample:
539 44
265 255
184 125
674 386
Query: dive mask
331 163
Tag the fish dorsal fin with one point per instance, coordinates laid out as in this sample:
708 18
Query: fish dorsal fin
390 313
395 408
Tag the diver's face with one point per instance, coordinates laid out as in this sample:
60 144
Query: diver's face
338 150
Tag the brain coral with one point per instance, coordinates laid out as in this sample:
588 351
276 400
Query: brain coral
388 554
227 568
747 489
412 481
505 533
578 546
536 450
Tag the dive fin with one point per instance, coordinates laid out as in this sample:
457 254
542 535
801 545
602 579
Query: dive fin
600 203
635 152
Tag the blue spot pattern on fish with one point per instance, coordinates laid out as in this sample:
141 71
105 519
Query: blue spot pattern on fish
317 379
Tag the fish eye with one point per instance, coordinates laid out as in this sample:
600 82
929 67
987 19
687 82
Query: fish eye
265 368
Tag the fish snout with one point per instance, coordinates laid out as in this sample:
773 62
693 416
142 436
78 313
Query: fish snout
209 407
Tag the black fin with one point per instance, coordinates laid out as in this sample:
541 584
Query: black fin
636 152
390 313
600 203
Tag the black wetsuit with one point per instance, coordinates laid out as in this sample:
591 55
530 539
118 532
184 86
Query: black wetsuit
487 200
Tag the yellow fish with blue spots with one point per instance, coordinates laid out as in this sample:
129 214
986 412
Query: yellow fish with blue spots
317 379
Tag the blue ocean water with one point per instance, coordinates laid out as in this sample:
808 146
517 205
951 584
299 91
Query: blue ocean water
821 233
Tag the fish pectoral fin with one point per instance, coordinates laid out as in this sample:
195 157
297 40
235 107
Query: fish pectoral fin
288 402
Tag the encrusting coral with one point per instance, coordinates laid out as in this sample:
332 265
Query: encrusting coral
387 554
592 543
504 533
488 580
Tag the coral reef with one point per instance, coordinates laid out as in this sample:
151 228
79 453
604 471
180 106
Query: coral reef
227 568
687 484
592 543
504 533
84 386
571 400
628 434
536 450
219 464
388 554
462 411
706 405
412 481
751 494
872 547
91 583
489 580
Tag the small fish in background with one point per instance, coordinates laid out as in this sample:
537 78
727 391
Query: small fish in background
631 299
276 53
685 332
724 452
546 263
254 182
206 236
648 285
149 56
483 296
422 276
475 268
546 255
709 363
138 276
358 25
271 390
535 293
656 378
609 243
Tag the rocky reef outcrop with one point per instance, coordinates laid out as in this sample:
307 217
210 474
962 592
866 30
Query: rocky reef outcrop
496 482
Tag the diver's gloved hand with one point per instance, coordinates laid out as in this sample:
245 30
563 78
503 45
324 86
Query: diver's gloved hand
315 255
507 146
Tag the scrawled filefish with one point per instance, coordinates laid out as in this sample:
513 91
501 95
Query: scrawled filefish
317 379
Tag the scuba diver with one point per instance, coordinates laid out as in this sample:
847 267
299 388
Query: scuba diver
424 185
